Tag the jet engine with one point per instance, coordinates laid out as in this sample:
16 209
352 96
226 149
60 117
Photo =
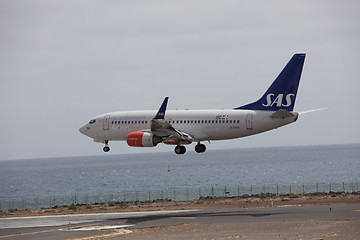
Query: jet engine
142 139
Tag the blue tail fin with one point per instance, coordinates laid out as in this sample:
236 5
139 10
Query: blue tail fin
282 92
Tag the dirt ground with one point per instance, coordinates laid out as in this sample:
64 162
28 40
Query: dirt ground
290 229
251 202
296 229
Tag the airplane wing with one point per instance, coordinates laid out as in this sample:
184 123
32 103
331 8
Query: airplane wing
162 128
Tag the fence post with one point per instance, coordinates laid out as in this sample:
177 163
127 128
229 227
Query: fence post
303 187
212 191
162 195
149 197
277 189
343 187
290 188
329 187
317 188
238 191
251 190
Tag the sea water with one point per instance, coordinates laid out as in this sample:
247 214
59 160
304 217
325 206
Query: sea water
167 172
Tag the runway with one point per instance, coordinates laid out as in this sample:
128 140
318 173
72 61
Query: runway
79 226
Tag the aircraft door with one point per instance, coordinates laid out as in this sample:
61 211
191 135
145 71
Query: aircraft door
106 122
249 121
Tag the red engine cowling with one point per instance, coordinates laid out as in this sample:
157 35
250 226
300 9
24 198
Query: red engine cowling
142 139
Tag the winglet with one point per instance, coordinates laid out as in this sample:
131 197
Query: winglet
161 113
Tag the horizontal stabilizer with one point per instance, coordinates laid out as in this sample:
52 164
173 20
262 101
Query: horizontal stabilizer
282 113
314 110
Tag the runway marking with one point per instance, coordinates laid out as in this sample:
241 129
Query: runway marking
106 227
45 231
22 234
185 217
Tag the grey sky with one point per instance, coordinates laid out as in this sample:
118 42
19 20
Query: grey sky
63 62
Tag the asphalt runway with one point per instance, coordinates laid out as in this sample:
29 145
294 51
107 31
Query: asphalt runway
58 227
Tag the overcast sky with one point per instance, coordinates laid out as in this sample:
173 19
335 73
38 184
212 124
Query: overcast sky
64 62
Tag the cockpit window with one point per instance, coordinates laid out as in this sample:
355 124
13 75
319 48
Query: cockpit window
92 121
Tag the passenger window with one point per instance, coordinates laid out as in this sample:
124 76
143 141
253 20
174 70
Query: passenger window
145 122
230 121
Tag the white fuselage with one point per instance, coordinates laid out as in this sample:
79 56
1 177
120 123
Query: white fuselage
201 125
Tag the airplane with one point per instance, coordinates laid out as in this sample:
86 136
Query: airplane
182 127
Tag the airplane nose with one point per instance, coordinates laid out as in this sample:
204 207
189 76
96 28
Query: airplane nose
83 130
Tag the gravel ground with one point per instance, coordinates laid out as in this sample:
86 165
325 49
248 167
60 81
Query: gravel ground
336 229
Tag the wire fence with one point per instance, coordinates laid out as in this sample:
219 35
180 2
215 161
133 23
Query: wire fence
21 203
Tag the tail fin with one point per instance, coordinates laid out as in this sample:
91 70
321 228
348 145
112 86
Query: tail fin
282 92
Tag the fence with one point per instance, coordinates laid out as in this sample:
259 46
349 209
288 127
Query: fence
22 203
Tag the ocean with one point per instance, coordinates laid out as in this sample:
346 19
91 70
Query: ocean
36 183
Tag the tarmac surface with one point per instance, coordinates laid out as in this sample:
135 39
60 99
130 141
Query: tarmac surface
285 222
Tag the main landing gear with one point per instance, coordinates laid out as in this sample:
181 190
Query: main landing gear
180 149
106 148
199 148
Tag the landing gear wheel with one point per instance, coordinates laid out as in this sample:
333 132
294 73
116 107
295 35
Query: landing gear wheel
106 148
200 148
180 149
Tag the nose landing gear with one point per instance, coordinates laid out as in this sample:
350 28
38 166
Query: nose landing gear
106 148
